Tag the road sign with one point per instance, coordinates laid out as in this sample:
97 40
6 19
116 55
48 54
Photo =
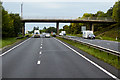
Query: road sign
83 28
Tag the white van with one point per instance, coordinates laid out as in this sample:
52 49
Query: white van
63 33
88 34
36 34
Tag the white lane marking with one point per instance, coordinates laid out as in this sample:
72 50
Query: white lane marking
41 47
14 47
110 74
40 53
38 62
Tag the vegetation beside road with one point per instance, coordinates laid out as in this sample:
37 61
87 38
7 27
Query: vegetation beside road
102 31
78 35
108 58
44 30
9 41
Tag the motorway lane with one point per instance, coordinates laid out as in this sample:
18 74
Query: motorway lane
113 45
56 61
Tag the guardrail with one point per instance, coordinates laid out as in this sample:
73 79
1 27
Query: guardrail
116 53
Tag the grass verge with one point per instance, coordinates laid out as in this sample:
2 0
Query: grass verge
9 41
108 58
78 35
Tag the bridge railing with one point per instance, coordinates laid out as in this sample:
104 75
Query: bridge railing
97 18
72 18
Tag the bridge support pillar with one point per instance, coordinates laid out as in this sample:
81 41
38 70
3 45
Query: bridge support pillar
23 29
93 27
57 27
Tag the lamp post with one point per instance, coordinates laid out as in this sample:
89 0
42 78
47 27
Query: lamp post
22 10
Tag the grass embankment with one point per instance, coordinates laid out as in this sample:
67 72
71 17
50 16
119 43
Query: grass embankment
9 41
108 33
78 35
30 35
108 58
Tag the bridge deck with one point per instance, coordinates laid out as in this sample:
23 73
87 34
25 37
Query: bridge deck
68 21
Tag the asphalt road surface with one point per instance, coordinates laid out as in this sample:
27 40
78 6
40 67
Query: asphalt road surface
113 45
47 58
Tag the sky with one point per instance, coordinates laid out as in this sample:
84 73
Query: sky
55 9
59 0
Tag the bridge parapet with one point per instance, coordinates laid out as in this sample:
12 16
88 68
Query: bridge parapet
72 18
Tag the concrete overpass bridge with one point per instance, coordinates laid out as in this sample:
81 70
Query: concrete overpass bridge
87 20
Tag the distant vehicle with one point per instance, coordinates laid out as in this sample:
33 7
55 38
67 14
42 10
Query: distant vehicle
53 34
36 34
47 35
91 36
60 34
43 34
88 35
63 33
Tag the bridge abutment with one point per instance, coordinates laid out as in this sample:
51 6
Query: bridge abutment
57 27
91 27
23 29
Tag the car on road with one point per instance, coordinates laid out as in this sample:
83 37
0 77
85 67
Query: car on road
36 34
47 35
43 34
53 34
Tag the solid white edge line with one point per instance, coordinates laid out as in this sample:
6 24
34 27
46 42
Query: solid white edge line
14 47
110 74
38 62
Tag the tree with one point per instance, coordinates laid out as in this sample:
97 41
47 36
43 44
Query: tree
110 12
44 28
67 29
16 23
116 12
61 30
36 28
87 15
0 19
7 24
51 29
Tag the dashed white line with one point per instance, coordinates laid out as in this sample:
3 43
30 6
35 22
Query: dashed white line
38 62
110 74
41 47
40 53
14 47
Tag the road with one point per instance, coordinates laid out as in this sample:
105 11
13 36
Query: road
47 58
113 45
